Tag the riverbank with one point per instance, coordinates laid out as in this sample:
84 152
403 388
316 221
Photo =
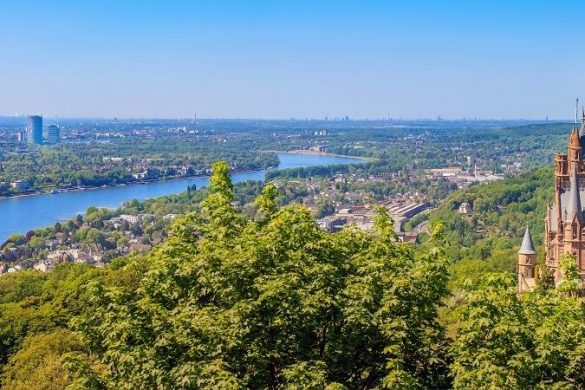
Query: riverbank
33 211
316 153
53 190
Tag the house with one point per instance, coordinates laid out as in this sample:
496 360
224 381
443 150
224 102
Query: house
20 185
465 208
43 266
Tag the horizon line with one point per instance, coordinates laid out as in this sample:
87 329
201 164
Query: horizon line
292 119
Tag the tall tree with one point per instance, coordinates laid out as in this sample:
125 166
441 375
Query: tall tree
228 303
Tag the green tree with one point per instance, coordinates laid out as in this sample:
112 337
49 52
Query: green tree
545 280
571 282
492 347
266 201
220 181
18 239
231 303
39 363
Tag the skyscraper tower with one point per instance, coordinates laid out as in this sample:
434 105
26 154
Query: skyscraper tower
34 129
53 134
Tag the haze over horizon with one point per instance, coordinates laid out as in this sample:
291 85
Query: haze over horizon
268 59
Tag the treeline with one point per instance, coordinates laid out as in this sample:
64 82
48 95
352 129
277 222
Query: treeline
95 164
365 167
438 144
302 173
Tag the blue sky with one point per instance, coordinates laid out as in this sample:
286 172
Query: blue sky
284 59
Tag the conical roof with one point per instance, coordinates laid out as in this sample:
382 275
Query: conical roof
574 206
574 139
527 247
582 129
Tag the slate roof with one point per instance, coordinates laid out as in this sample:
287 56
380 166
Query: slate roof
527 247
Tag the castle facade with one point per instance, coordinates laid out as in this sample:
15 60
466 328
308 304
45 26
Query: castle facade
564 232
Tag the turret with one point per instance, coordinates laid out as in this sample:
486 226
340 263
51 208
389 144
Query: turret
582 129
574 152
526 263
574 210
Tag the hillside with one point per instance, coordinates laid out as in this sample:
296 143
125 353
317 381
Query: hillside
275 302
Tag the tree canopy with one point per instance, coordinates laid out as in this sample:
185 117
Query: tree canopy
229 302
272 301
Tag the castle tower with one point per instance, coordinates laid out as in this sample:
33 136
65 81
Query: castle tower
564 222
574 155
526 264
582 128
574 222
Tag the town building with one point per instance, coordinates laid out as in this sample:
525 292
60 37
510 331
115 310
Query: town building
465 208
20 185
363 216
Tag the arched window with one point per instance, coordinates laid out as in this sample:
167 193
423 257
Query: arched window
574 231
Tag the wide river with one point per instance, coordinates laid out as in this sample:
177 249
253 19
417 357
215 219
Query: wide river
21 214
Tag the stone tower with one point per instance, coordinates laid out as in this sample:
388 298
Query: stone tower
565 221
526 264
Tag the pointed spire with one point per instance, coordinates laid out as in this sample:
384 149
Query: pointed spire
574 139
574 206
582 127
527 247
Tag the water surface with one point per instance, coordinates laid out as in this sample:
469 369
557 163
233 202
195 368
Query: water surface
21 214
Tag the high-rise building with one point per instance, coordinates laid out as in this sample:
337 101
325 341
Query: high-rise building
53 134
34 129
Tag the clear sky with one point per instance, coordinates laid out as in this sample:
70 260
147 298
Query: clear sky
284 59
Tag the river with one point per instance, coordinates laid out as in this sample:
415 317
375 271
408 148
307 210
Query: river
21 214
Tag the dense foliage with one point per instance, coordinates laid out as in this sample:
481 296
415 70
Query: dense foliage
510 342
93 164
500 213
271 301
229 302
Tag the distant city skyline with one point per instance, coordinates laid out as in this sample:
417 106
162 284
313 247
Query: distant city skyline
284 59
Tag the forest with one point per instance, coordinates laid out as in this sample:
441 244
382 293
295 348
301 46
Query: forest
272 301
94 164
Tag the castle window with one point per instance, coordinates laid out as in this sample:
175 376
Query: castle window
574 231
